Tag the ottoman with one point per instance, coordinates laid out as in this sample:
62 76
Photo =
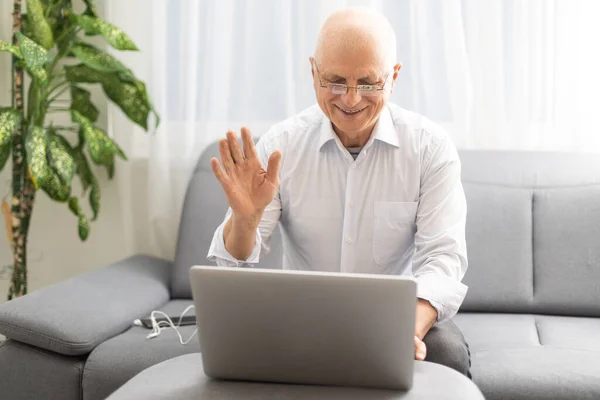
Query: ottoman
183 378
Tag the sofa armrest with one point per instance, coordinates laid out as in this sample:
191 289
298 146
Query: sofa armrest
74 316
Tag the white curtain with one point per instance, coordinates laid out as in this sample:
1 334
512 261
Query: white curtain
499 74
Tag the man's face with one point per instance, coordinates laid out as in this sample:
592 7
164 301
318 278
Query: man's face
352 114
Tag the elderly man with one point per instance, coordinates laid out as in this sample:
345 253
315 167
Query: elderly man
358 185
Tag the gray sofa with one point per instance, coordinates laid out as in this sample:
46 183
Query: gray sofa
531 315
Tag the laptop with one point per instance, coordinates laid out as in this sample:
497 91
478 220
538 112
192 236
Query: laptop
305 327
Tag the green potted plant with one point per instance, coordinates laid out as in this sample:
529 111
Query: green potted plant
48 45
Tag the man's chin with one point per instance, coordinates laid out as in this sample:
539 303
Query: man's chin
349 128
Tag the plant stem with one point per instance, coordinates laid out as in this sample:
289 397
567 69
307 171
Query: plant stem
66 128
64 89
56 76
58 85
53 110
65 33
18 285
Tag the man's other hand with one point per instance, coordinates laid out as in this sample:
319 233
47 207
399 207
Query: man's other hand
420 349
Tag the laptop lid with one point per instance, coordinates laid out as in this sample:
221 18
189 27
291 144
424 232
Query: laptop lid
305 327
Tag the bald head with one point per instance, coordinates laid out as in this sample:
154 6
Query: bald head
358 31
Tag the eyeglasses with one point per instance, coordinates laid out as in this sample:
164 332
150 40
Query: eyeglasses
340 88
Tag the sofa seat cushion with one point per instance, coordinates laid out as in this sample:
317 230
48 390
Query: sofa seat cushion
523 356
120 358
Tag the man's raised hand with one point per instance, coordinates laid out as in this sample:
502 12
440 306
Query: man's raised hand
248 187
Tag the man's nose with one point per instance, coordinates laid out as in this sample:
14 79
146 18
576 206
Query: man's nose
351 98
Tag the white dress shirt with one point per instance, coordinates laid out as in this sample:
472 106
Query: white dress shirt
399 208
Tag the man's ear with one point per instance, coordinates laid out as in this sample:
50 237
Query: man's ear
396 71
312 70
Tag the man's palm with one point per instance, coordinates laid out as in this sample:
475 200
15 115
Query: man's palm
248 187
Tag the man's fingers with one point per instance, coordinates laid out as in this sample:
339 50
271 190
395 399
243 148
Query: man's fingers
217 170
273 167
248 144
226 155
420 349
234 147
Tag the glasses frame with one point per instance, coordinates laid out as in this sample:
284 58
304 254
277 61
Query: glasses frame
343 86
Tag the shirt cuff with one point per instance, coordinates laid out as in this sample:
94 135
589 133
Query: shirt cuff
444 293
219 254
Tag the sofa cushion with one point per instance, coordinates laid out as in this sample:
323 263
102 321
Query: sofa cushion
204 209
530 168
100 303
499 249
569 332
566 232
491 332
563 275
117 360
533 356
28 372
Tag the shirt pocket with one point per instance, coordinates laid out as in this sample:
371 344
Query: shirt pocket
394 228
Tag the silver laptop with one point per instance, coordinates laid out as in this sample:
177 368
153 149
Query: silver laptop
305 327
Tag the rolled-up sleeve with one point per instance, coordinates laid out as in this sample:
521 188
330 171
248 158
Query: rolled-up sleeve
440 260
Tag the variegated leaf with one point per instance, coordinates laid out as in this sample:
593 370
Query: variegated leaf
132 98
81 73
90 8
83 225
36 144
123 89
9 119
83 170
60 158
81 102
26 28
95 198
110 168
40 28
88 179
5 153
55 15
43 176
113 35
39 73
96 59
55 188
11 48
33 54
101 147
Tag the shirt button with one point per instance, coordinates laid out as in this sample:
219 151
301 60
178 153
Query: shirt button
351 204
349 240
353 166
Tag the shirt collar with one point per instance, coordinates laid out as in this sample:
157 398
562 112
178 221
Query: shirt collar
384 130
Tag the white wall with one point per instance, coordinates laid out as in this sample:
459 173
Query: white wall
55 250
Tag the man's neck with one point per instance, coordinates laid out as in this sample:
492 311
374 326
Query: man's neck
354 139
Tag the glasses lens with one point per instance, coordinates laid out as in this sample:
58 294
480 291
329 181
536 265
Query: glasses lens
338 89
368 91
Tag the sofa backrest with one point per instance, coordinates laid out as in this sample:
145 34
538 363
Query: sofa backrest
533 231
203 211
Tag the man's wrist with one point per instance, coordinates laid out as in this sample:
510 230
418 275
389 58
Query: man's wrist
246 222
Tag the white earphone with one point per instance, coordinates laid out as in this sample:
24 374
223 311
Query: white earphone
158 326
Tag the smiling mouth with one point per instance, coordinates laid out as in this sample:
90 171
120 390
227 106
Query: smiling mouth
350 112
